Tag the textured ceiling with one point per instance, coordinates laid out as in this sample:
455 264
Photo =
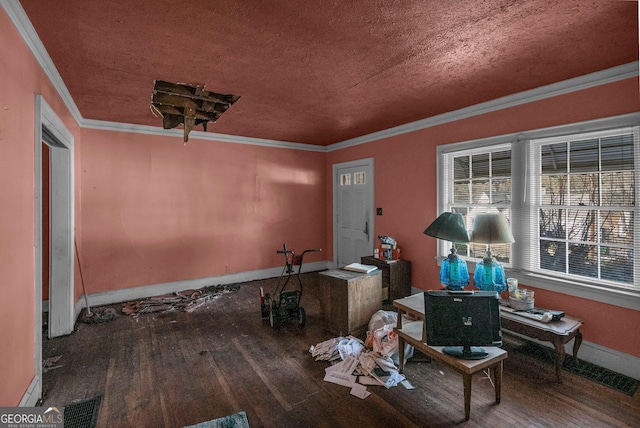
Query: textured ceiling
321 72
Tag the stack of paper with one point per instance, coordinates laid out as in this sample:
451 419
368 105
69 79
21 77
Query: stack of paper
359 267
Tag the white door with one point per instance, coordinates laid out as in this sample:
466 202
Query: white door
61 250
353 209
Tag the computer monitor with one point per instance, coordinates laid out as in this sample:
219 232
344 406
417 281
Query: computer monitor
462 321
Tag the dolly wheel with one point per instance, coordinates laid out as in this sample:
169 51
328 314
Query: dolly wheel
273 317
302 317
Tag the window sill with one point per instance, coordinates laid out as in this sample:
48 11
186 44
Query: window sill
616 297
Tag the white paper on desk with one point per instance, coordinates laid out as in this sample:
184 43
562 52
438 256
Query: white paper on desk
359 267
360 391
342 373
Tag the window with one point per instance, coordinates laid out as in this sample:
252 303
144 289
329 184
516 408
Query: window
345 179
569 196
481 184
583 201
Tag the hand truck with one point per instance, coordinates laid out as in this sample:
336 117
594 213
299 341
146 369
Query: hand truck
285 305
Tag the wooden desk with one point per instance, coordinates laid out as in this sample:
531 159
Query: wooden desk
556 332
414 332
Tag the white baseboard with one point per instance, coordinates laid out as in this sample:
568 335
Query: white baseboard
31 397
125 295
619 362
611 359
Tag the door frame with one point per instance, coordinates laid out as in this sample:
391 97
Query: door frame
61 248
62 214
366 163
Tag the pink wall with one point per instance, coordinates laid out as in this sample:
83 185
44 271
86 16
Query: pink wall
609 326
405 187
22 77
155 211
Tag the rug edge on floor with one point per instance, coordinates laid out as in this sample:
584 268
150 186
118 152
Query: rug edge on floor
237 420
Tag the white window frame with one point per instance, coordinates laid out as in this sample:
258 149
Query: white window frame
521 195
534 147
447 162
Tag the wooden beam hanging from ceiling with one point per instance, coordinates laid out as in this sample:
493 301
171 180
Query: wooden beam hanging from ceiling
178 103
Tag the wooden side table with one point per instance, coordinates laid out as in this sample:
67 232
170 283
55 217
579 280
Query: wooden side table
396 277
556 332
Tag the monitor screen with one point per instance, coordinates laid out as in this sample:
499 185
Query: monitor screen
461 321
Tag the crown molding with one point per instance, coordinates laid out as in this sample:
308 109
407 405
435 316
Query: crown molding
19 18
196 135
586 81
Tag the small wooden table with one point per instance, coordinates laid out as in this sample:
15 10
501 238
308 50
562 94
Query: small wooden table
556 332
396 277
414 332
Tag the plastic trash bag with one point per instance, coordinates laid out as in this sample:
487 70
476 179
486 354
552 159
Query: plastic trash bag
381 337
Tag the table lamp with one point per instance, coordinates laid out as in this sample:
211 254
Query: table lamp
453 270
491 228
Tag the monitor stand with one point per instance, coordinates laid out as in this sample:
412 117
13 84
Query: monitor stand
466 352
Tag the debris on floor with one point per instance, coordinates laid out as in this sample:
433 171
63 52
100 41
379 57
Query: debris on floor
48 363
97 315
357 364
187 300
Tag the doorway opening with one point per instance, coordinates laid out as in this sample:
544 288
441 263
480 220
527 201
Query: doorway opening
57 230
53 147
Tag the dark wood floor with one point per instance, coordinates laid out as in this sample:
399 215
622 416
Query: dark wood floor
176 369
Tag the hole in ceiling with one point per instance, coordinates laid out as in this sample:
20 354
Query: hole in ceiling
178 103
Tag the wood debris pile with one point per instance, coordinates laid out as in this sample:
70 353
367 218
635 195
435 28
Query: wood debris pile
187 300
50 363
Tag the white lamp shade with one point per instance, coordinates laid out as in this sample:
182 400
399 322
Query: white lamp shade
491 228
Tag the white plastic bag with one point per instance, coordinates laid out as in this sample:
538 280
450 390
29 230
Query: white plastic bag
381 337
385 340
